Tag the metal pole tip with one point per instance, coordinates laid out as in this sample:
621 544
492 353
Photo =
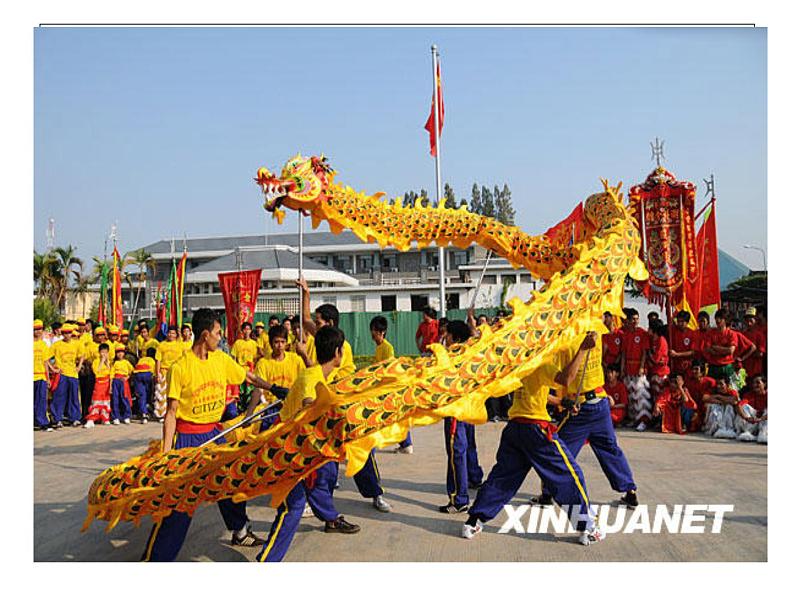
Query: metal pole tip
434 47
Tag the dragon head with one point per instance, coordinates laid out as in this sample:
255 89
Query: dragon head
301 186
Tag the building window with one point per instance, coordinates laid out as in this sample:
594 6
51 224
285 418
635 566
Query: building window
388 303
508 279
364 264
489 279
418 302
289 306
390 263
460 258
357 304
453 301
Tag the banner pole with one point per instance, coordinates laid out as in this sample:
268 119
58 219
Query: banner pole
436 123
300 274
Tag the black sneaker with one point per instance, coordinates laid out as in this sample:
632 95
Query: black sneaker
452 508
341 526
630 499
249 539
542 501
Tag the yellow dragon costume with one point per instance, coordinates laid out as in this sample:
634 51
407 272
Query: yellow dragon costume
376 406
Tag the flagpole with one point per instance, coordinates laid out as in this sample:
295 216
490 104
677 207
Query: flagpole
436 109
299 332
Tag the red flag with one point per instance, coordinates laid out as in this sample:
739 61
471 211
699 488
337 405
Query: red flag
117 313
180 286
710 269
240 290
430 125
571 228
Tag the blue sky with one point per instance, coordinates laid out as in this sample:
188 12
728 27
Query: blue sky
163 129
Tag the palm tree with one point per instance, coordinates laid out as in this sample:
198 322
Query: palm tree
65 262
143 261
82 286
41 278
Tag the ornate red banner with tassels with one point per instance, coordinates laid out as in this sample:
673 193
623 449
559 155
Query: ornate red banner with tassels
665 209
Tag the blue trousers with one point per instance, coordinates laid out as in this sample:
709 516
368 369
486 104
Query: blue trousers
66 400
686 416
595 424
406 442
289 513
40 404
230 411
521 448
367 479
119 406
463 468
168 535
142 386
270 417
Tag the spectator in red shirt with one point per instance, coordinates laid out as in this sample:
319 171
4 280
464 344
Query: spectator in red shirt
682 344
701 335
675 406
617 394
744 350
658 359
635 344
611 344
754 363
427 333
720 410
699 385
751 419
720 348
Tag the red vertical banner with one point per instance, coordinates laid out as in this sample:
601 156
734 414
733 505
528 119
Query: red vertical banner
430 125
571 229
710 281
116 310
240 291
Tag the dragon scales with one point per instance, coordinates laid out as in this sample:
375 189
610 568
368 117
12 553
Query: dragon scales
376 405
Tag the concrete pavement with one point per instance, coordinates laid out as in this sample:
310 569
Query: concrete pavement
668 469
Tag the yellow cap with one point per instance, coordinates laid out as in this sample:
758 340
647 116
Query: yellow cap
81 321
99 330
750 312
113 329
37 324
188 325
67 328
259 324
120 349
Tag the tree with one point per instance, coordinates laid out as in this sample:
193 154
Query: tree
44 273
449 195
44 309
476 201
66 263
409 198
488 207
424 200
143 261
81 287
504 207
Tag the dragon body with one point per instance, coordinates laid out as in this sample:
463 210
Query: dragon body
377 405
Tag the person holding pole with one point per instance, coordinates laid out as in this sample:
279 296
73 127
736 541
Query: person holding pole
588 417
196 400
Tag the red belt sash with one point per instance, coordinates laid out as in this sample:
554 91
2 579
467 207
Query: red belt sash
547 426
127 392
185 427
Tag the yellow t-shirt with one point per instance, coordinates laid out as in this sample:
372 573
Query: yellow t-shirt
280 372
593 373
244 351
186 345
41 353
530 400
101 370
122 368
91 352
66 355
199 386
346 367
385 351
142 345
305 385
168 352
145 364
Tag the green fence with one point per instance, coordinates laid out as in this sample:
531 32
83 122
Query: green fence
401 333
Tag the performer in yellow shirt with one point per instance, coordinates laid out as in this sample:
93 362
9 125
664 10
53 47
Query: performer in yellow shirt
167 353
588 420
120 395
114 340
144 340
244 349
530 440
143 383
68 360
318 488
186 338
196 400
41 365
102 367
281 369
